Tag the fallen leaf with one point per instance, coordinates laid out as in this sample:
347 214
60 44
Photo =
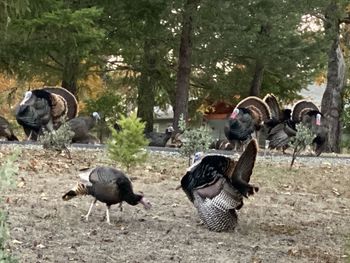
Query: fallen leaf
40 246
15 241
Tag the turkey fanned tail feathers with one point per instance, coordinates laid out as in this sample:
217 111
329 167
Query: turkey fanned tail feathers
301 108
45 108
217 185
260 110
248 117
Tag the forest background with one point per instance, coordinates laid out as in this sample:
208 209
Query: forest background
116 56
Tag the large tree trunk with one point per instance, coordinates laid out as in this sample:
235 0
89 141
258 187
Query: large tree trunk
332 102
146 87
255 86
70 75
184 68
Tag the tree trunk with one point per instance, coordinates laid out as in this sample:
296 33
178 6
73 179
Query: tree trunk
332 102
146 87
70 75
184 68
255 86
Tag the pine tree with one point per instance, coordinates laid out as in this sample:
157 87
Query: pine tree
127 145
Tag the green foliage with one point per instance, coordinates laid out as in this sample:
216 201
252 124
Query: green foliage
303 138
109 105
7 170
57 140
127 145
194 140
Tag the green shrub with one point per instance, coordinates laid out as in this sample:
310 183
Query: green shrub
58 140
127 145
7 170
303 138
194 140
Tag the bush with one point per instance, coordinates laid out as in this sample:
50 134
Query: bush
127 145
7 170
303 138
194 140
58 140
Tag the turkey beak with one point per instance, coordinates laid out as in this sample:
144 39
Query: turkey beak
146 203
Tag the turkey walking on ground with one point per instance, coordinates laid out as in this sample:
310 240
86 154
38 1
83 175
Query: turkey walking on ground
107 185
248 117
6 131
81 127
44 109
159 139
216 186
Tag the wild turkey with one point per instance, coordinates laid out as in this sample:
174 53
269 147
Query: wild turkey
6 131
216 186
159 139
280 127
278 115
221 144
107 185
307 112
44 109
248 117
81 127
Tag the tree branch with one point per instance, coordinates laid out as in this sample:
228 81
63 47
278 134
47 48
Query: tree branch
55 60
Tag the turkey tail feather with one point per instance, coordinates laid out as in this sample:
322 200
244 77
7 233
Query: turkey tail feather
272 102
72 103
256 105
79 189
301 108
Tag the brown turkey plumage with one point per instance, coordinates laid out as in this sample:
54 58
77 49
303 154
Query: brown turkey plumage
81 127
6 130
216 186
45 108
107 185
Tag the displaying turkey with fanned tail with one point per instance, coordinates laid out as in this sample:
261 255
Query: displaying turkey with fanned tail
248 117
6 130
307 112
81 127
216 186
280 127
45 109
283 124
107 185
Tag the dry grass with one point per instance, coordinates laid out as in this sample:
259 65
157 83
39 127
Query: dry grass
299 215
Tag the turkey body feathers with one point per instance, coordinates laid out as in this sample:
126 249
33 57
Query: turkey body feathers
248 117
45 108
108 185
81 127
210 169
217 185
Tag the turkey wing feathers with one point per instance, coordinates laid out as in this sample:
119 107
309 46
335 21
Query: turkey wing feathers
243 170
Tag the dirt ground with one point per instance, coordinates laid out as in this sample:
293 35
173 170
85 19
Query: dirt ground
299 215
